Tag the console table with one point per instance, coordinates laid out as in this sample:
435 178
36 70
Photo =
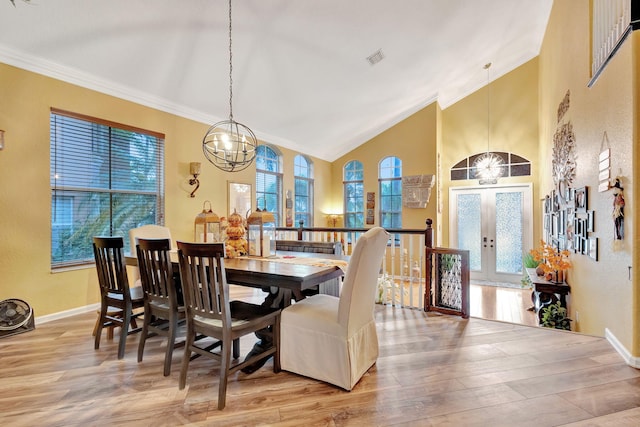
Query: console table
546 293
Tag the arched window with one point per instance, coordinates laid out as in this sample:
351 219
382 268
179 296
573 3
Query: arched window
390 184
513 165
269 181
303 185
353 183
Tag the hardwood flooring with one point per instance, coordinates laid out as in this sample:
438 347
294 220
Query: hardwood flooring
433 370
504 304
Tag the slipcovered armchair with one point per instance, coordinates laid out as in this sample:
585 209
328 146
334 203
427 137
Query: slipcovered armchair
334 339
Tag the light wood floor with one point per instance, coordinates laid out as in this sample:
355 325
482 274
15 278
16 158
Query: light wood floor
504 304
432 370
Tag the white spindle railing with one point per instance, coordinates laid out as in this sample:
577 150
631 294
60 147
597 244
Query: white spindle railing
403 270
610 20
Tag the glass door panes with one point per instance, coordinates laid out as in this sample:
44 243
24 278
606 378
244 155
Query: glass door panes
494 225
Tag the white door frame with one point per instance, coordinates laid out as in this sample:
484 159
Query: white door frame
527 226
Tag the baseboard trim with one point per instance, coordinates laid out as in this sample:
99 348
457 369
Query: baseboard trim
67 313
622 351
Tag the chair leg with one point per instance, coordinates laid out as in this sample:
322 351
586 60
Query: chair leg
124 332
187 355
236 348
173 325
97 330
143 337
276 343
225 362
113 313
95 327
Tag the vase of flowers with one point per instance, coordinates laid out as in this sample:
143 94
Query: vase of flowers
553 262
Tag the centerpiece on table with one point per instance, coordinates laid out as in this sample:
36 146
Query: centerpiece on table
552 262
235 242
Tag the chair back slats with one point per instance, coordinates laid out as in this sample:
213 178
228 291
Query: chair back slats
110 265
204 283
156 270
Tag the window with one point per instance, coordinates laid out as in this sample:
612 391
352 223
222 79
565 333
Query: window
268 181
106 178
513 165
390 182
353 195
303 184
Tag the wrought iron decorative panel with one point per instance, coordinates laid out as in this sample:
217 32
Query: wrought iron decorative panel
448 273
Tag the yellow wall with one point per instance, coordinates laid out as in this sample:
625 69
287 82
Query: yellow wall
634 238
25 216
413 140
513 114
600 291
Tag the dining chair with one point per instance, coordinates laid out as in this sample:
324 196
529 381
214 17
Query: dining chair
334 339
210 312
147 231
114 290
162 311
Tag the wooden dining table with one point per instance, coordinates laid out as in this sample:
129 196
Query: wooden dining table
291 272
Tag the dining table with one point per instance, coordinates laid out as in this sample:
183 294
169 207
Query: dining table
292 273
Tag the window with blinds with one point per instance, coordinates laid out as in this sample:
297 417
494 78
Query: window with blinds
303 184
353 194
268 181
105 179
390 183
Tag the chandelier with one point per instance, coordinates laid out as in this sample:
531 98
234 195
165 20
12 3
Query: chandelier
229 145
488 166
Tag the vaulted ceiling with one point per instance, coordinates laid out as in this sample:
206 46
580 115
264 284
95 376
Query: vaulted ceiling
301 78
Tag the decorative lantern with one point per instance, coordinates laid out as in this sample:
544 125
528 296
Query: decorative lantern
207 225
261 230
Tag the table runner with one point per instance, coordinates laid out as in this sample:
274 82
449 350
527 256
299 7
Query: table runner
316 262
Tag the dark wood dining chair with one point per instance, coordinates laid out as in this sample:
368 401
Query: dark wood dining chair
115 291
162 311
210 312
147 231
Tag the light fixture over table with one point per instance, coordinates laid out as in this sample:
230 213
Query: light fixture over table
229 145
489 166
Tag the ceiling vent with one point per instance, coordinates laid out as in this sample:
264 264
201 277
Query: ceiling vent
375 57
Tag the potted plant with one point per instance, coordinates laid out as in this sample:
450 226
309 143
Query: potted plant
529 262
555 316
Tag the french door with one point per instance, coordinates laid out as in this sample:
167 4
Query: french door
494 224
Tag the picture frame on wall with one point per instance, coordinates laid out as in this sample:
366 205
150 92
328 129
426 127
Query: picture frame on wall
562 242
593 248
239 198
581 199
547 204
590 226
555 203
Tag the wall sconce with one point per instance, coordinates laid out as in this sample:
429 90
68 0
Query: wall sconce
333 220
194 169
1 139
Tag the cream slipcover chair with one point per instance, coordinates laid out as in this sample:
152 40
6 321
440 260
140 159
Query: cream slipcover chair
148 231
334 339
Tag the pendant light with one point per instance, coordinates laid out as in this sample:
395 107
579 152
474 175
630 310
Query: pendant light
488 166
229 145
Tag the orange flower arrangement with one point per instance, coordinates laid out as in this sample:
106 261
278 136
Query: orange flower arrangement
551 260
